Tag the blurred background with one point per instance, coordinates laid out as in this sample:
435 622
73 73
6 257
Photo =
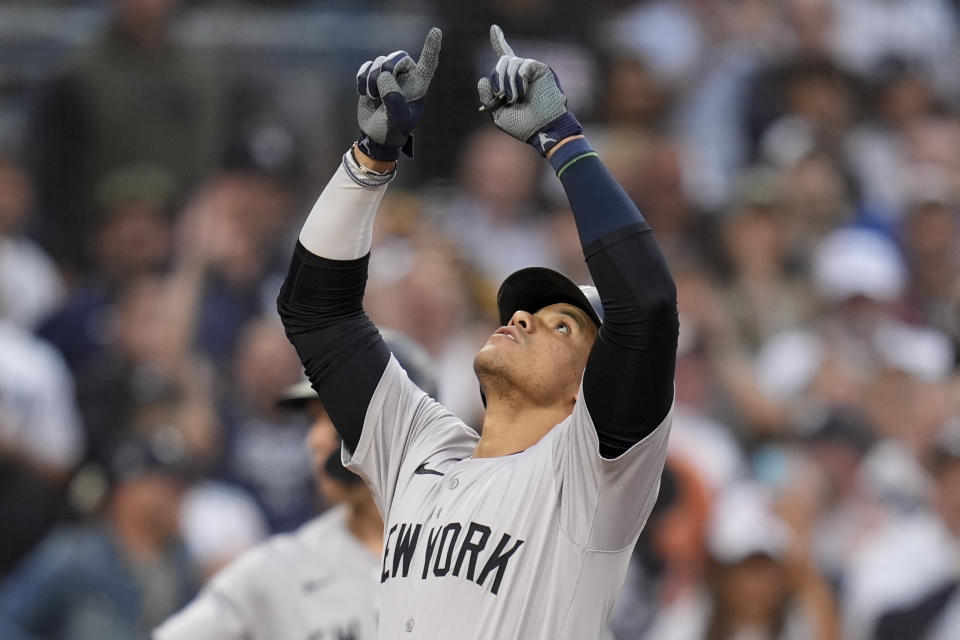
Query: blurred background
799 161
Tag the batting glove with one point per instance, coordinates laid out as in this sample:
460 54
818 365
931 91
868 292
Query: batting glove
525 99
393 91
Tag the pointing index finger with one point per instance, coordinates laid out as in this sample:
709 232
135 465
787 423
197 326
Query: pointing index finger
499 42
430 55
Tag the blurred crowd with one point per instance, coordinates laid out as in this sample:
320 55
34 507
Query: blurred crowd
798 160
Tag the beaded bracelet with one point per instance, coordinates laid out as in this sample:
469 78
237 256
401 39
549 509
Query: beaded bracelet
364 176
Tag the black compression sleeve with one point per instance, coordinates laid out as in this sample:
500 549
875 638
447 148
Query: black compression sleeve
628 382
321 305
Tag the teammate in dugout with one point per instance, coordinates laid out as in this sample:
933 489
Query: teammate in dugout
525 530
320 581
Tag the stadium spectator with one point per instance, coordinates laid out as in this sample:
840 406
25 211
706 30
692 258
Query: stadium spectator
134 95
41 439
263 447
132 237
756 585
30 286
118 576
885 602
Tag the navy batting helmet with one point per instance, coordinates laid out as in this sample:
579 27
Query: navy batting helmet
534 288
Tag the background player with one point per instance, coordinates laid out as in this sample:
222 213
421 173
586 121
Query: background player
526 530
319 582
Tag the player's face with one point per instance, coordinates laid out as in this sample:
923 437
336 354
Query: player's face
540 355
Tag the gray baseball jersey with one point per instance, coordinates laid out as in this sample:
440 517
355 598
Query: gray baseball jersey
319 583
530 545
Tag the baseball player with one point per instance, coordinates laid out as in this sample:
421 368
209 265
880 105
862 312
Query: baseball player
320 582
525 530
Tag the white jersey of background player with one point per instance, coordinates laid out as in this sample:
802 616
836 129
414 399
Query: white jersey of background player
321 581
317 583
525 531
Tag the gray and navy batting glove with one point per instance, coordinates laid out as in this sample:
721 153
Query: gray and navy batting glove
525 99
393 91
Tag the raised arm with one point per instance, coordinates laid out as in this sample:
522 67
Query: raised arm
628 382
321 299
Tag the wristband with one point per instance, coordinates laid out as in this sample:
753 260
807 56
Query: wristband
558 129
570 153
384 152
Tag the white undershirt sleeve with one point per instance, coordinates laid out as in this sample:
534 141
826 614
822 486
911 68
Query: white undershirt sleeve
340 225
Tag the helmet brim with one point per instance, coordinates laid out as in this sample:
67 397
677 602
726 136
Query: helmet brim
297 395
